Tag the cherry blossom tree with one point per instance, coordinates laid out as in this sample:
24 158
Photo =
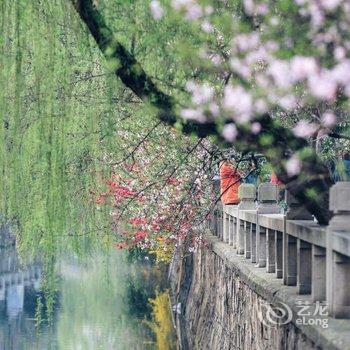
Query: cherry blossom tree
274 59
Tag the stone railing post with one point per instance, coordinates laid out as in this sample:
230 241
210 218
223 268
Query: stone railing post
279 253
247 194
214 220
253 241
232 216
265 241
318 278
268 198
226 224
297 255
303 267
338 265
220 219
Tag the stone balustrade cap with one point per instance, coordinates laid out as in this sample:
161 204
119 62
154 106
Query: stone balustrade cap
339 198
268 192
247 191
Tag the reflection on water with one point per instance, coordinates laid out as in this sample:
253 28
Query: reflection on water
19 287
102 302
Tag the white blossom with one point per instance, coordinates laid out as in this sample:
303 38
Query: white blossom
230 132
293 165
156 10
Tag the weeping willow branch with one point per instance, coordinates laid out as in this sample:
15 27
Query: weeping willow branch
311 188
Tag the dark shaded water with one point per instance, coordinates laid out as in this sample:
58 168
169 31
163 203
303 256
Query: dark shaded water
101 302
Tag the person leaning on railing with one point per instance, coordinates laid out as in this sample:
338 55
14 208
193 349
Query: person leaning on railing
230 179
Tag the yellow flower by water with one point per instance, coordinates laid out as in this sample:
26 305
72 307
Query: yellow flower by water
163 251
162 324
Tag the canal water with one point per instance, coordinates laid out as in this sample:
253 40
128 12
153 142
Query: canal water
102 300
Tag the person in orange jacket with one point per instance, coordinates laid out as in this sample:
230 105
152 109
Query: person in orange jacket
230 179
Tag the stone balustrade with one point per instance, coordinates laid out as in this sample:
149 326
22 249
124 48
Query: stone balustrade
291 244
27 277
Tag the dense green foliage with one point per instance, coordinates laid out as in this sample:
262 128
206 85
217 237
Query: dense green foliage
51 121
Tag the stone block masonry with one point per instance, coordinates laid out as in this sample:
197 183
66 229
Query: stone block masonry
221 299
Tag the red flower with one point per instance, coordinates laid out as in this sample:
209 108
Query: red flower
172 181
141 199
100 200
138 221
155 226
124 192
140 235
120 245
112 185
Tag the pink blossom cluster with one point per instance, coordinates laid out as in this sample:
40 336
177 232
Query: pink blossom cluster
294 82
318 10
192 9
263 79
203 100
254 8
162 206
157 10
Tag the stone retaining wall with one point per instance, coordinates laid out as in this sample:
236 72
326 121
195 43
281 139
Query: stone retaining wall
220 296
